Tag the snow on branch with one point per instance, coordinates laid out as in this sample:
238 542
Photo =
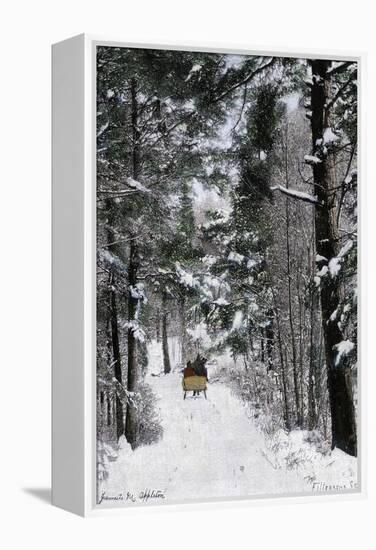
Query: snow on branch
351 178
346 248
340 68
335 263
343 349
137 331
111 261
138 292
133 186
305 197
311 159
185 278
102 129
268 64
235 257
195 69
137 186
329 136
127 397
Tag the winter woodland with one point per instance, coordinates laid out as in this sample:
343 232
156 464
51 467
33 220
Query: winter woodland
226 227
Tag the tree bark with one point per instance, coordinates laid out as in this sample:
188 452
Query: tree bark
132 379
116 356
269 336
325 184
166 356
289 281
183 331
284 388
301 347
114 344
313 348
157 326
131 425
262 347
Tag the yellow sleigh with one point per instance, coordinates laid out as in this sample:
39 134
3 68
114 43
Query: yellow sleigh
195 384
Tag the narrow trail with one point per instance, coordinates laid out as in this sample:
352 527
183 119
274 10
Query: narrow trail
210 449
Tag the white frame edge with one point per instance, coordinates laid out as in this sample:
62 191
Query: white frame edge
68 381
74 278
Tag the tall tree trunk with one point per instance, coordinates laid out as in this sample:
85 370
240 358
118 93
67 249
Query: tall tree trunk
269 336
325 184
114 342
157 326
116 356
166 356
183 331
314 380
131 425
321 389
284 388
132 378
289 282
313 348
262 347
300 291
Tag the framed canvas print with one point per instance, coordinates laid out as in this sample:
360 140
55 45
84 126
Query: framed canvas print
205 320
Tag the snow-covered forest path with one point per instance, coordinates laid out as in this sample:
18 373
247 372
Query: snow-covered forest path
210 448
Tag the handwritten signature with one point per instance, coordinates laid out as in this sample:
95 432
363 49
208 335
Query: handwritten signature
322 486
143 496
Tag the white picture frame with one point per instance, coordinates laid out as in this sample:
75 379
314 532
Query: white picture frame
74 276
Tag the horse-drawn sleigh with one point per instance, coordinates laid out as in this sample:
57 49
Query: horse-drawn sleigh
194 383
195 377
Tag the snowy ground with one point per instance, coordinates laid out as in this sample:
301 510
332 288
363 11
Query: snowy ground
212 449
